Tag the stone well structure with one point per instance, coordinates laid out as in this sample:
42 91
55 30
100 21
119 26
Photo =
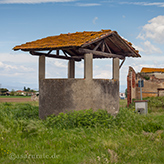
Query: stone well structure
61 95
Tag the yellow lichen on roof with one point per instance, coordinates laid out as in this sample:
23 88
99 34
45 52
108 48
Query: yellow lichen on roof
149 70
63 40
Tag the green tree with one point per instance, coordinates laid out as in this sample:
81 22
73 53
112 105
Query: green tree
12 93
4 90
24 89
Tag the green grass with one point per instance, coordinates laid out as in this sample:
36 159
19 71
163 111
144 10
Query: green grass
123 102
80 137
15 96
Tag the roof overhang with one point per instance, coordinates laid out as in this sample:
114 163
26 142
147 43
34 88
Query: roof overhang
102 44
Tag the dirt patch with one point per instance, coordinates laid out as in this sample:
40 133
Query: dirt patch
15 99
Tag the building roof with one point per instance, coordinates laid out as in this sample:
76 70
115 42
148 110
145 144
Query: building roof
72 42
150 70
63 40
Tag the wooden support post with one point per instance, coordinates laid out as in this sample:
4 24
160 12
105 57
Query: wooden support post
71 69
116 68
88 66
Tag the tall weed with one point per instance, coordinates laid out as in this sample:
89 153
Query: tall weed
82 118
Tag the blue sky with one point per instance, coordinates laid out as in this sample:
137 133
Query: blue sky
140 22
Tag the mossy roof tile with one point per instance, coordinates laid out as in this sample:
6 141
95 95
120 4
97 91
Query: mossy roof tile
149 70
63 40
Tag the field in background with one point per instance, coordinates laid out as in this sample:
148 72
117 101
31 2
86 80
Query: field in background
123 102
16 99
83 137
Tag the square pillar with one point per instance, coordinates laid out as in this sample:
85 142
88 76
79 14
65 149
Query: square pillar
71 69
88 66
41 67
116 68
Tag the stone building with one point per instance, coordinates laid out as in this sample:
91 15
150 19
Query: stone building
153 79
60 95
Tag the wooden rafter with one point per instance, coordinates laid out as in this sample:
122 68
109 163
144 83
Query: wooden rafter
108 47
103 46
65 53
97 46
97 40
49 51
57 52
101 54
69 51
122 63
76 58
114 44
126 45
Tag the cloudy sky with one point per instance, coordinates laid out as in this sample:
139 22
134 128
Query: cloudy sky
140 22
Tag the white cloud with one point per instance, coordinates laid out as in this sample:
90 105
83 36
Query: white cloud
153 30
105 74
7 67
158 4
14 67
87 4
32 1
94 20
60 64
18 58
148 48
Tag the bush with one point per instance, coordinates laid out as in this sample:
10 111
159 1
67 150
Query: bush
82 118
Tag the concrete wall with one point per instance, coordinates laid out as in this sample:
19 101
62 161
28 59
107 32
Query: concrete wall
61 95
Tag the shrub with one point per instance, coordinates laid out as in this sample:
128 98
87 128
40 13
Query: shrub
82 118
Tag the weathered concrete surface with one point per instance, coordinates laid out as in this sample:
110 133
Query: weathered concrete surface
116 68
88 66
61 95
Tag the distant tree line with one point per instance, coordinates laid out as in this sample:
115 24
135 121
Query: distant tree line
28 90
5 91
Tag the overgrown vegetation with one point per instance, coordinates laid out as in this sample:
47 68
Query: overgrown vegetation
82 137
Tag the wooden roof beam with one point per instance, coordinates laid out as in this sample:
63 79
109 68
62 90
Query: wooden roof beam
65 53
97 46
76 58
127 46
97 40
103 46
122 63
108 47
100 53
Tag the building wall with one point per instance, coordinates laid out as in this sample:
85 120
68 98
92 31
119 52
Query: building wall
159 75
131 85
150 88
61 95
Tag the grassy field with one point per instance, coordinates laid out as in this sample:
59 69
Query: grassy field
81 137
15 96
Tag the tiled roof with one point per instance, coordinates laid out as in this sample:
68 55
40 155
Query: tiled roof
72 42
149 70
63 40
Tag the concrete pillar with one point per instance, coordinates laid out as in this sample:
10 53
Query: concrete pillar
41 67
88 66
71 69
116 68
